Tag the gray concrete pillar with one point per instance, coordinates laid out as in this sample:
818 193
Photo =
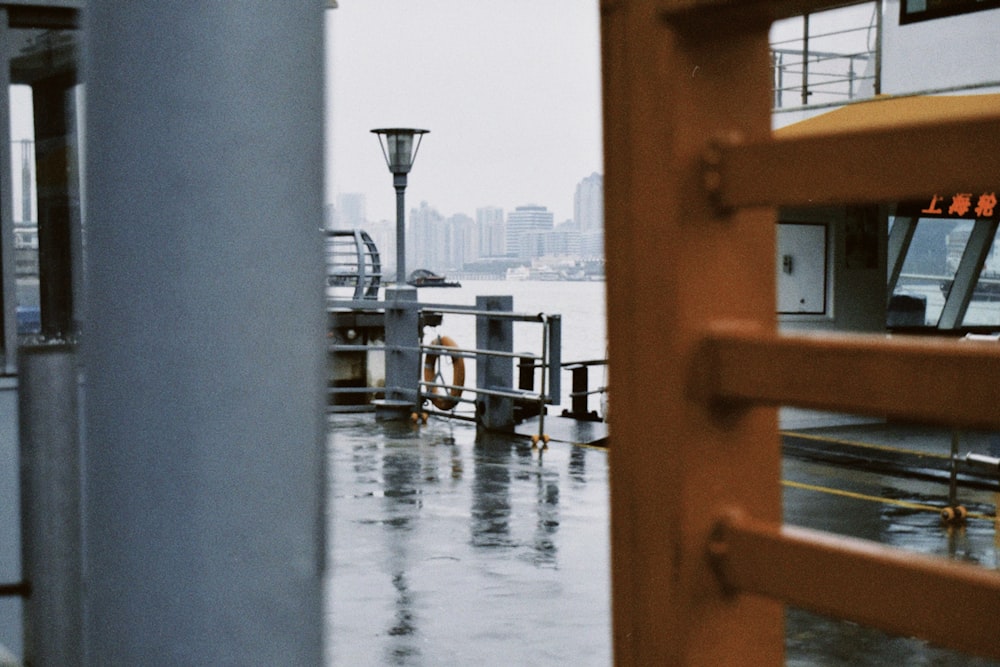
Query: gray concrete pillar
203 344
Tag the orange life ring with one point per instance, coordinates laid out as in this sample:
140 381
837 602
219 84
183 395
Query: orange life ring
445 402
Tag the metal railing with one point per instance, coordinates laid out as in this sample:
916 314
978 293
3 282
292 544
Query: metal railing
547 362
421 391
827 76
840 71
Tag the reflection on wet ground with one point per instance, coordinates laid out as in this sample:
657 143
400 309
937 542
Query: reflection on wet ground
453 549
813 640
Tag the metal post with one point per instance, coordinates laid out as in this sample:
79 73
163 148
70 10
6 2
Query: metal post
51 539
805 60
526 373
402 355
553 324
496 413
953 470
580 379
399 182
204 357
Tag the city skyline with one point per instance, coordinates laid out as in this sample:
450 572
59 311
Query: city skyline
521 236
355 205
510 93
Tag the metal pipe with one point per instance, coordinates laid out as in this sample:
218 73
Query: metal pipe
522 317
51 534
953 470
399 182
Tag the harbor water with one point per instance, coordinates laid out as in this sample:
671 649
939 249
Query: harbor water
454 547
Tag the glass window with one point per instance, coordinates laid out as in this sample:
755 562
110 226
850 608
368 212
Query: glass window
928 271
984 306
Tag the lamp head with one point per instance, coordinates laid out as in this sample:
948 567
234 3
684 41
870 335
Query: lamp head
399 147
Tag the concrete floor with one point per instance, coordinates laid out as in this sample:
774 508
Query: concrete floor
448 550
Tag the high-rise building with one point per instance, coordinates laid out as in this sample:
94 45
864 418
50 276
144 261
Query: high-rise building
588 204
426 239
588 212
462 242
492 232
522 220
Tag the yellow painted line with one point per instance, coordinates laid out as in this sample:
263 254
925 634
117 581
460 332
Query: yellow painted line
878 499
866 445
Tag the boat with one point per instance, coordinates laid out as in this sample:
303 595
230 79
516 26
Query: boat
425 278
987 288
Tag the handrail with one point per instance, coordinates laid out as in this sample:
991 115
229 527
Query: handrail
517 317
861 580
547 361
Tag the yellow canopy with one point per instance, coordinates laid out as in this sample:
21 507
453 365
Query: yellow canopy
886 111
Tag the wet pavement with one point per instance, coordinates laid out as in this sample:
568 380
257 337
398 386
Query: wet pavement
899 512
448 550
453 549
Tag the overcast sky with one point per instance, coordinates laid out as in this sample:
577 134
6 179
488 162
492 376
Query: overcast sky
510 92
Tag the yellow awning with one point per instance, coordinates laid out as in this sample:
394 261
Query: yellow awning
886 111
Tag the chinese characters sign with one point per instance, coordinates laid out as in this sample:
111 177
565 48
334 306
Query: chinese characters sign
956 205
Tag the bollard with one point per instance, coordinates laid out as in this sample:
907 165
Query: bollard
50 500
495 413
402 356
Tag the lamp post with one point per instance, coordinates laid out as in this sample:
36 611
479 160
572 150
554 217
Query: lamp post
400 151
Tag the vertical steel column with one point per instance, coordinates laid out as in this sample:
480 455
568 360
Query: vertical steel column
496 413
204 507
399 183
51 540
554 370
402 354
672 84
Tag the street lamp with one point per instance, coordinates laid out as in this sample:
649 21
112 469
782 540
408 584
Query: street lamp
400 151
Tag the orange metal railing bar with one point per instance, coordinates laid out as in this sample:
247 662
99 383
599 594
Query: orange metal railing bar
924 380
953 604
857 167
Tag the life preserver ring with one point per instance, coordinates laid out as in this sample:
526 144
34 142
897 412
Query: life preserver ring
445 402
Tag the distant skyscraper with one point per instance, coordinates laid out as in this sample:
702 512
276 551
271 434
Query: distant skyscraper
588 212
351 211
492 231
426 239
522 220
463 242
588 204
